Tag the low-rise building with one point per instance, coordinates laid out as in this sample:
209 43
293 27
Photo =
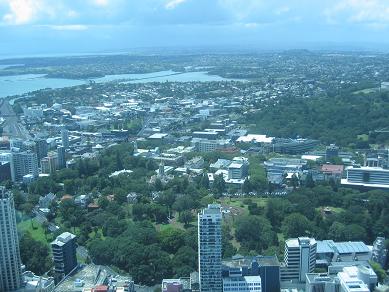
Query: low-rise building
242 283
329 251
366 177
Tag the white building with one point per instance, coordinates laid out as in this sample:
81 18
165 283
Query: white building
360 278
300 258
10 263
205 145
350 282
65 138
242 284
33 112
210 249
371 177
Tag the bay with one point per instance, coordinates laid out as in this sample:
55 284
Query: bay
21 84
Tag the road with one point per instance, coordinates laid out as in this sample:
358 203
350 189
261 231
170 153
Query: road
11 127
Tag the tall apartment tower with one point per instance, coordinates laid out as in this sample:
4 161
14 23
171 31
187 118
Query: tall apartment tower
23 163
210 249
64 255
10 263
65 138
41 148
61 157
300 258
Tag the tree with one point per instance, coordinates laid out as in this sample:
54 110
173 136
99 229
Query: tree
35 255
309 182
247 187
254 233
337 231
296 225
186 217
171 239
219 185
381 274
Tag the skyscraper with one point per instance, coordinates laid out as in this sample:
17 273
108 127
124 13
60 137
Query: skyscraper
41 148
65 138
10 263
64 255
210 249
61 157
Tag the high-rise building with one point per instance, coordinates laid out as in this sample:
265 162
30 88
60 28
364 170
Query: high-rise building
300 258
210 249
23 163
65 138
41 148
61 157
16 143
10 263
64 255
49 164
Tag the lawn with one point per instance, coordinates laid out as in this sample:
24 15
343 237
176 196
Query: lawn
35 229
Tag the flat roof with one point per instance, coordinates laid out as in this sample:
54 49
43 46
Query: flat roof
344 181
329 246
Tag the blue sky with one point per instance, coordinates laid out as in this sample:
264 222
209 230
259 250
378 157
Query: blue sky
50 26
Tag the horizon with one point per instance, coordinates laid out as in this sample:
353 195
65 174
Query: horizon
98 26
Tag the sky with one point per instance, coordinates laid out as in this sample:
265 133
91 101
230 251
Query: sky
75 26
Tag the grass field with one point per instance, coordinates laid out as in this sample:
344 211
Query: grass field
35 229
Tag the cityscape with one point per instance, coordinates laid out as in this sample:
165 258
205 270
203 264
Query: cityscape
136 155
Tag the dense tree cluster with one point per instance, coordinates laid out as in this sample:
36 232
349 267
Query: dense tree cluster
339 119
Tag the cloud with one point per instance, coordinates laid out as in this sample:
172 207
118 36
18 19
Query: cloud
371 12
22 11
173 3
101 3
71 27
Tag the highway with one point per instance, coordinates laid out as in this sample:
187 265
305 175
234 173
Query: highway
12 127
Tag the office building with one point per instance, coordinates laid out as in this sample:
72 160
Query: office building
176 285
300 258
210 249
65 138
244 284
205 145
328 252
17 143
350 282
351 278
238 170
49 164
23 163
5 171
367 177
61 155
41 148
10 263
293 146
64 255
332 152
266 267
277 168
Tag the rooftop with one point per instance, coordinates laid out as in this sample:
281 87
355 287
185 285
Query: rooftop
63 238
